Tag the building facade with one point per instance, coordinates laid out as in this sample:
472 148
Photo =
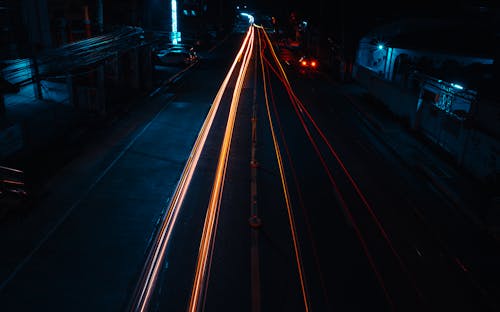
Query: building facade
443 89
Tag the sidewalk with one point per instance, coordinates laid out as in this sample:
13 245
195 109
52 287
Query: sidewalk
478 202
38 136
31 125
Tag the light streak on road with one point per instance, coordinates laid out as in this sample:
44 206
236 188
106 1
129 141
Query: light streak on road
156 255
251 19
363 198
298 106
303 110
291 217
354 184
211 219
298 190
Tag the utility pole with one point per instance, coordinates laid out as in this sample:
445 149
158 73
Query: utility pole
100 17
34 62
175 34
86 21
35 74
342 21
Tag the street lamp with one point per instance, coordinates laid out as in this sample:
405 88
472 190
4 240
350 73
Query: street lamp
175 35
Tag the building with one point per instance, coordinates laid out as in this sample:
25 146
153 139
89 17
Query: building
440 77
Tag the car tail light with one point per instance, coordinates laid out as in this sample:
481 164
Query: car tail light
303 63
313 64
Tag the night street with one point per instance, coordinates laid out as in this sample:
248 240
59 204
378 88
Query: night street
260 163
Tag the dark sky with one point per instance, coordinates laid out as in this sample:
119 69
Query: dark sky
351 19
331 12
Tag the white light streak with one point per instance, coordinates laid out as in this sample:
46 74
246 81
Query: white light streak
157 254
211 219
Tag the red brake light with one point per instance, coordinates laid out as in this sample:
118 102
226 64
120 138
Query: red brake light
303 63
313 63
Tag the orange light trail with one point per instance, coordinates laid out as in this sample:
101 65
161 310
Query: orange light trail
363 198
156 255
299 194
298 106
291 218
211 219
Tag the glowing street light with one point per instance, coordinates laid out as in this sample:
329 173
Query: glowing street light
250 17
175 36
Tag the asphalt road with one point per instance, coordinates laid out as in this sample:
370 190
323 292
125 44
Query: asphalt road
359 217
373 252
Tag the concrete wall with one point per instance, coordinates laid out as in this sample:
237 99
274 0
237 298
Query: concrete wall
399 100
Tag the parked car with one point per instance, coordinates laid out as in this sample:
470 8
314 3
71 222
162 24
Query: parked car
176 55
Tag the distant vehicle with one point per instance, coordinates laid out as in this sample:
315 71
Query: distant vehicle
175 55
308 65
